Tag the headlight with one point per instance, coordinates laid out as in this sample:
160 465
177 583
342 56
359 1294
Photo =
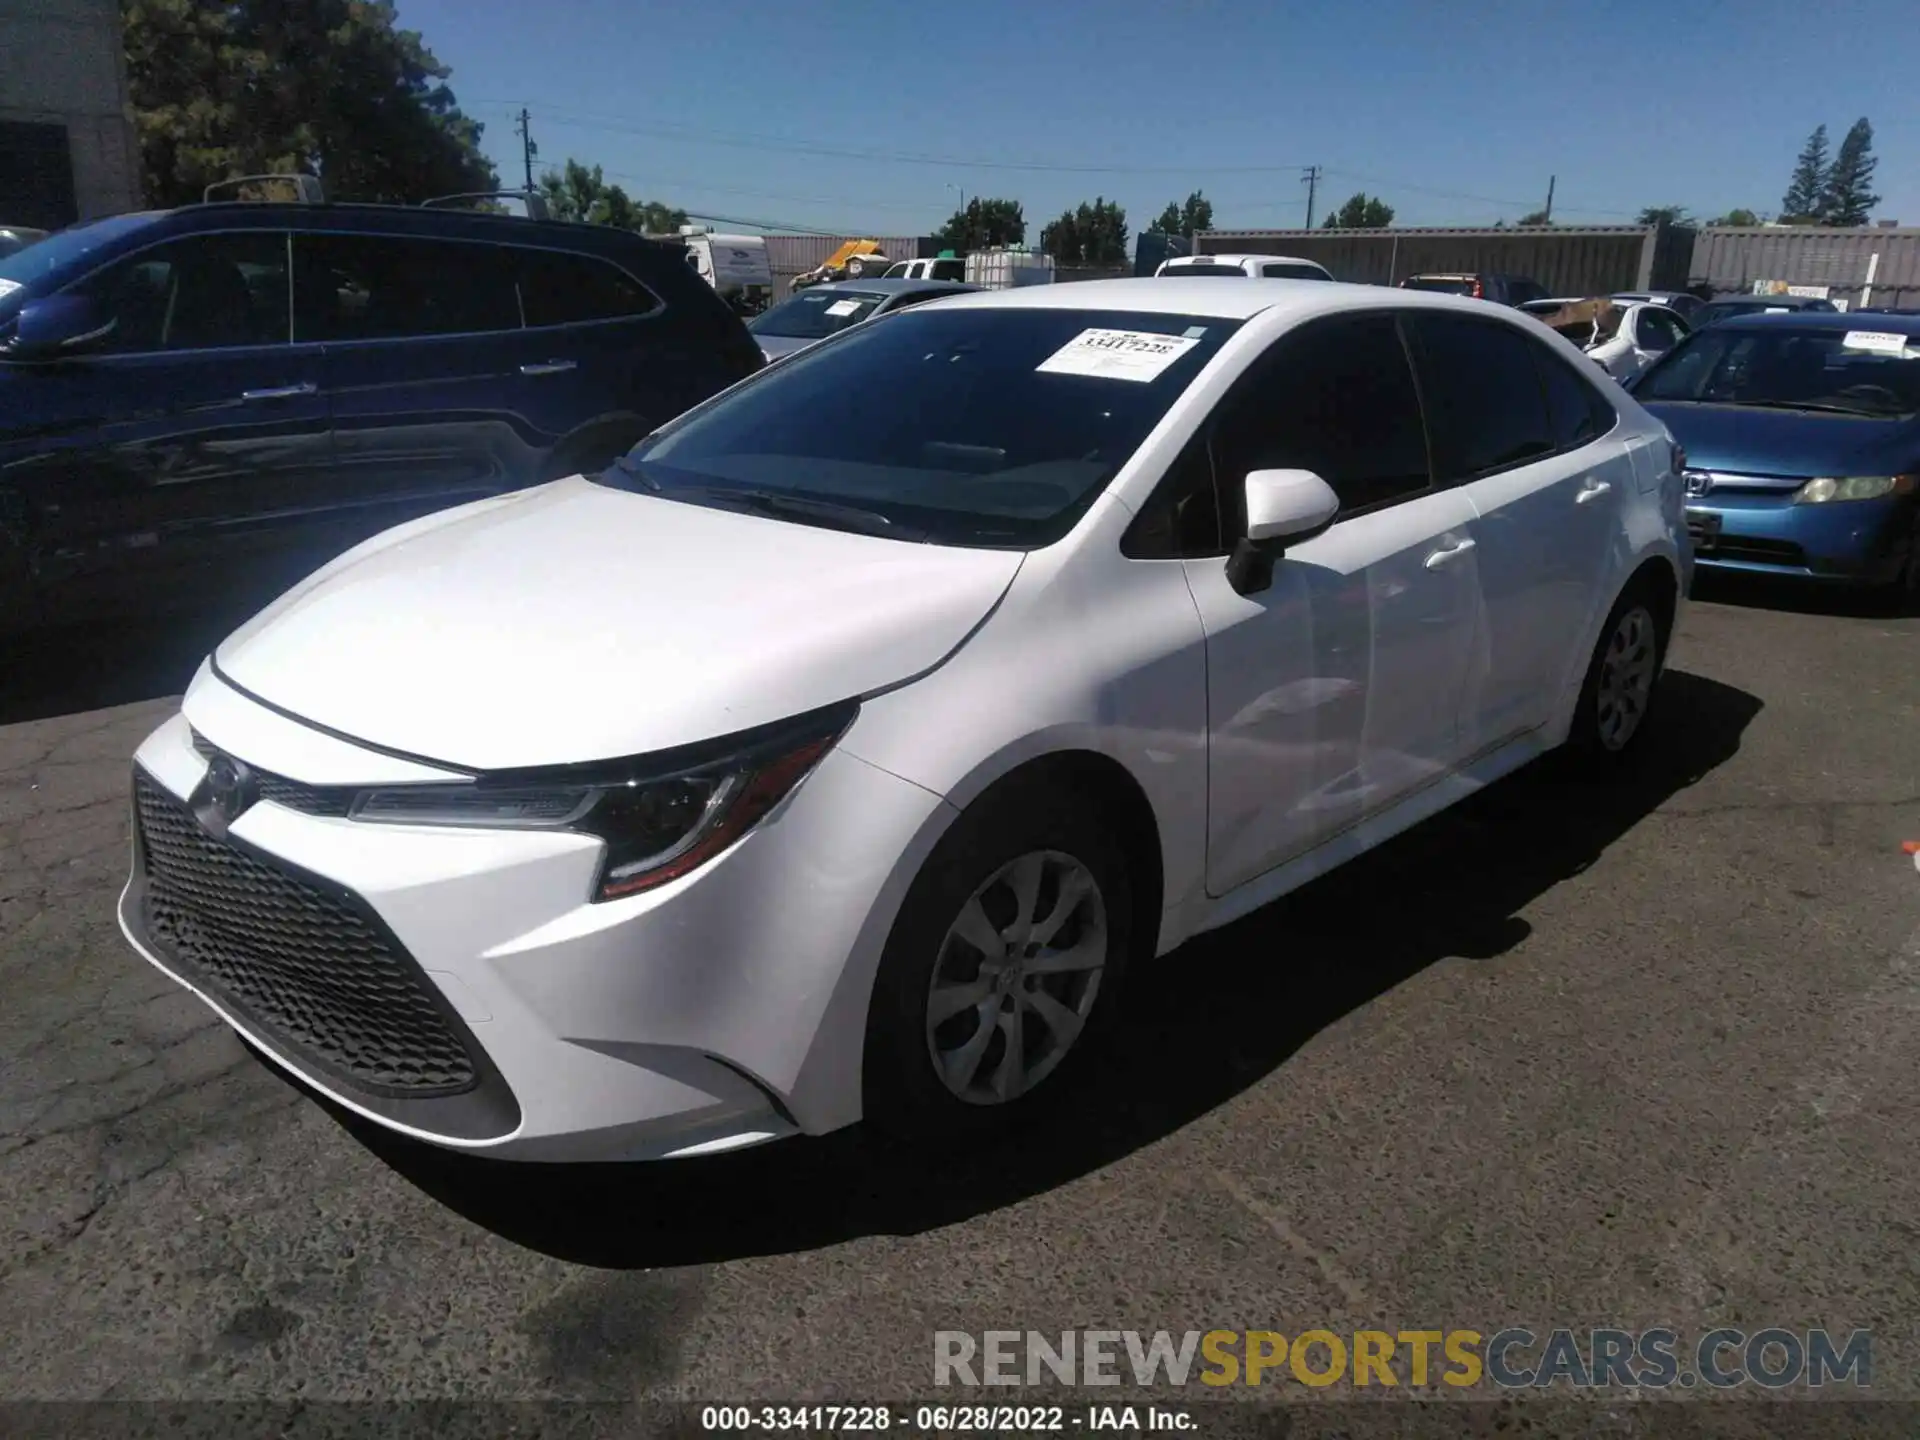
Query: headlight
1852 487
659 819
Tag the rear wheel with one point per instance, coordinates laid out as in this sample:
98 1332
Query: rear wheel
1002 970
1618 691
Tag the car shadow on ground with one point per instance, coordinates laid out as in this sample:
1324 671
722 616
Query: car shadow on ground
1200 1026
1752 591
71 671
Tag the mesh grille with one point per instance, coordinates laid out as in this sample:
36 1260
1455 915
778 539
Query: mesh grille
309 969
294 794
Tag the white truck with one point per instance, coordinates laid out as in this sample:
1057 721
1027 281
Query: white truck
735 265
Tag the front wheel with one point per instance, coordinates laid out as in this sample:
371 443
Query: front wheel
1002 970
1618 691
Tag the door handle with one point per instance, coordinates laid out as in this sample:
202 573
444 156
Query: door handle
281 392
546 367
1592 489
1440 557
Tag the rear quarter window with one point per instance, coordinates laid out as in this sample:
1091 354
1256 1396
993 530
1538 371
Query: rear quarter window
562 288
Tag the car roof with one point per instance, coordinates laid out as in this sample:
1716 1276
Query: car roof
1167 295
1184 260
1789 302
1821 320
893 286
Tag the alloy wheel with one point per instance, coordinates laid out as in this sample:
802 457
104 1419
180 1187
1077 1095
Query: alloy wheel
1016 977
1628 668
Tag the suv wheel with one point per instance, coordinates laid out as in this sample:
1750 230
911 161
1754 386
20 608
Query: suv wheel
1002 969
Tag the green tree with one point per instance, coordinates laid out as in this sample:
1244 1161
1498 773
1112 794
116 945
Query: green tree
1737 217
1188 218
1801 204
1535 217
574 192
334 88
1361 212
982 224
1663 215
1847 197
1093 234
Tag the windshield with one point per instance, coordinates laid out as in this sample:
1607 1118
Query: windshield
1439 284
817 314
1855 372
30 263
990 427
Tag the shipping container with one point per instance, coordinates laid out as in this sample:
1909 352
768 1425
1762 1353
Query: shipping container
1005 269
1596 260
1855 267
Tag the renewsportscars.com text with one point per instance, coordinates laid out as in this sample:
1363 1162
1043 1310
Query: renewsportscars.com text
1508 1359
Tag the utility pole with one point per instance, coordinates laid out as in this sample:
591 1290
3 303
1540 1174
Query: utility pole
1312 181
1546 216
524 129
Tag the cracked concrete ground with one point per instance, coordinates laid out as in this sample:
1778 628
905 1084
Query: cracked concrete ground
1569 1055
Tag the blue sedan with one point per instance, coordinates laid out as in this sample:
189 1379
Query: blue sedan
1802 435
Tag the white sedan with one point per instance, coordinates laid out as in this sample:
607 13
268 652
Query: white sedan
828 760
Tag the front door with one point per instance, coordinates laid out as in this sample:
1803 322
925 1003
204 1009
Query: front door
1336 690
169 458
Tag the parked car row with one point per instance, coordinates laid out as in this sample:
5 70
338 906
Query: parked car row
211 400
824 310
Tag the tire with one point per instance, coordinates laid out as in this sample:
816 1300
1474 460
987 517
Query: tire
1004 840
1622 678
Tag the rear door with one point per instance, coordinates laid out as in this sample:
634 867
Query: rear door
423 353
1520 429
172 464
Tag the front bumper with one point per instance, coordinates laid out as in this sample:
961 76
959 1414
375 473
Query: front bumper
724 1009
1851 542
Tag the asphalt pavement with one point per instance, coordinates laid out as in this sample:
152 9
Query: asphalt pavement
1570 1055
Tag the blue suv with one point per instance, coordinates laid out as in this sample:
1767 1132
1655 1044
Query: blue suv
203 404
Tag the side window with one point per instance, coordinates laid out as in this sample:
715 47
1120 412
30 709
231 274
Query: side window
949 269
1181 520
1658 332
203 292
557 288
385 287
1335 397
1580 414
1483 399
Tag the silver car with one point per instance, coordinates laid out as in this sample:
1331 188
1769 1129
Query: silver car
824 310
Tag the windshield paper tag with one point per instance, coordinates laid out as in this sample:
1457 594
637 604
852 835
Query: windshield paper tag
1881 342
843 307
1116 354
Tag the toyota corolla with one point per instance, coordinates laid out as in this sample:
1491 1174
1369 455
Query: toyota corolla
822 762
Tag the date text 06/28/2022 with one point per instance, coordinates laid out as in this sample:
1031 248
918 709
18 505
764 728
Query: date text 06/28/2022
1511 1358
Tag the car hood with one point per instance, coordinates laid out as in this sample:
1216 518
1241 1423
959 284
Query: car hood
1748 441
579 622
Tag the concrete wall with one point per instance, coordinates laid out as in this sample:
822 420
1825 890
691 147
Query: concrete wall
62 62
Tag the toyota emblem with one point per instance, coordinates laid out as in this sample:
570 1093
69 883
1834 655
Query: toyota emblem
223 795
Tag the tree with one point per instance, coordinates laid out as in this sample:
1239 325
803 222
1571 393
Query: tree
1663 215
983 224
334 88
1361 212
1737 217
1801 204
1190 218
1535 217
576 193
1845 198
1093 234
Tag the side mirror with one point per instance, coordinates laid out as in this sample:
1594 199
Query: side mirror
1284 507
57 326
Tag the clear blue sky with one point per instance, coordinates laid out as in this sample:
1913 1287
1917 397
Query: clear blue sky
1454 111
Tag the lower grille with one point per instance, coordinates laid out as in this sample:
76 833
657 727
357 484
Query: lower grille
306 967
1764 552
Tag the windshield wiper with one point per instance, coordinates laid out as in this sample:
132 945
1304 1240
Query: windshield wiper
627 465
1815 406
831 512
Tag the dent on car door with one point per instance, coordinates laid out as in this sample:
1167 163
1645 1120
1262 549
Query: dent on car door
1333 691
171 461
1518 428
422 342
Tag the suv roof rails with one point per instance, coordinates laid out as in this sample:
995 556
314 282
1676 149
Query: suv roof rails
307 188
535 202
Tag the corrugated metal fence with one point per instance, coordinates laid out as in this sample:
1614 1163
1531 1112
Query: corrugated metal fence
1862 267
1567 261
